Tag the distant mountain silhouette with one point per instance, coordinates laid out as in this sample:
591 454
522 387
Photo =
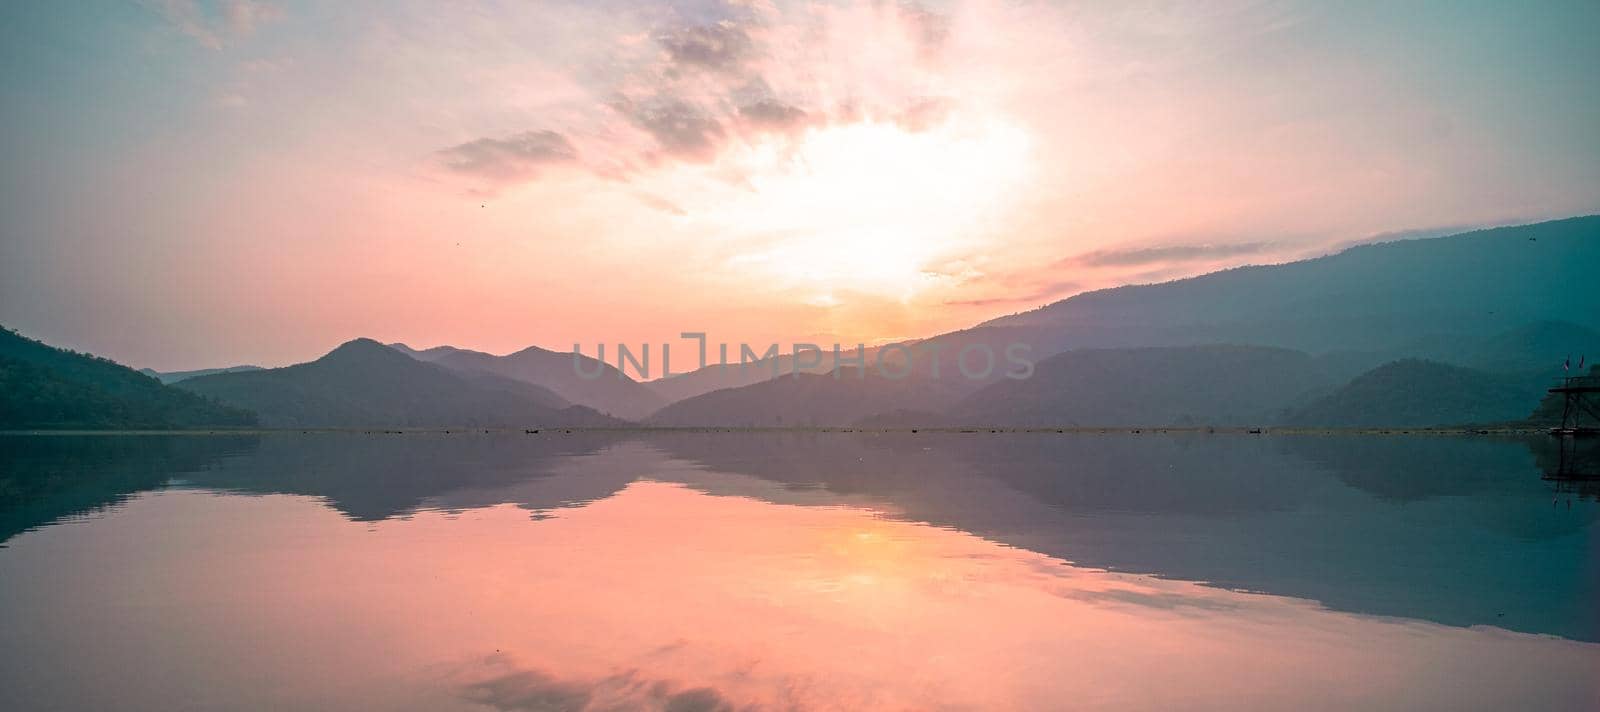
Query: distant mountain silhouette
364 383
45 387
1503 304
430 355
808 399
1537 347
611 392
171 377
716 376
1414 393
1382 297
1501 300
1195 385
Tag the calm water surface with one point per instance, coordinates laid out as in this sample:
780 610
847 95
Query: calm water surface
794 571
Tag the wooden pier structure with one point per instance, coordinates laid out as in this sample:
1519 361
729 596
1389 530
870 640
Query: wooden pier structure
1580 411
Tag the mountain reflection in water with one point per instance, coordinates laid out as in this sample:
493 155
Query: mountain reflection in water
824 570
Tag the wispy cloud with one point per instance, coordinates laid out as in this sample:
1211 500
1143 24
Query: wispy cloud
1411 234
1167 254
772 114
216 24
930 29
686 92
656 202
511 158
720 47
1038 294
499 682
924 113
680 129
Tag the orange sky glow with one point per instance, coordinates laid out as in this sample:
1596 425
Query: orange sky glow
290 176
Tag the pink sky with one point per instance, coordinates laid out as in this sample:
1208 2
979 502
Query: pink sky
245 182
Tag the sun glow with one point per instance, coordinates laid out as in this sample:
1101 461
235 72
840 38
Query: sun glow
865 207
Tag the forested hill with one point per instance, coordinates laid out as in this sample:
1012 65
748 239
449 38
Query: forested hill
42 387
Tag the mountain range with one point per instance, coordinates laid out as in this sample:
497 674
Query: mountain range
1191 385
46 387
809 399
1307 343
1416 393
565 374
171 377
1442 331
364 383
1382 297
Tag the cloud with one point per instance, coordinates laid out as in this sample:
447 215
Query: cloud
925 113
656 202
511 158
929 29
1127 257
525 690
1161 600
1411 234
216 24
770 114
721 47
497 681
679 128
244 16
1048 291
700 699
741 74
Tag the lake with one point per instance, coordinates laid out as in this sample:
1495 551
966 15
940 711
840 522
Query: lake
827 571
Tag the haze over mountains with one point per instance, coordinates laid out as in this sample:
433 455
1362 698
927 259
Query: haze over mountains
810 399
1194 385
171 377
1413 392
608 392
364 383
1259 345
1443 331
715 377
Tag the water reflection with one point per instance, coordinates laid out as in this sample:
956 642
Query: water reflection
378 476
1571 464
712 571
1452 530
46 479
664 597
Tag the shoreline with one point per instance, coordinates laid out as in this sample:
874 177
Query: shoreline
1492 431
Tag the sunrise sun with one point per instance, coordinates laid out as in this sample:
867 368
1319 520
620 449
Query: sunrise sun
863 206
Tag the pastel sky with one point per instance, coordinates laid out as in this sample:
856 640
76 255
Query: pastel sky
189 184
